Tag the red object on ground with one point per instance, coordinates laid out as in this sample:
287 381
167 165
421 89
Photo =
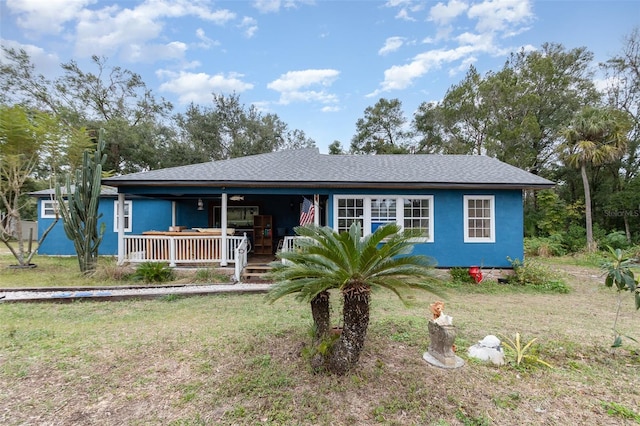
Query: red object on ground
476 274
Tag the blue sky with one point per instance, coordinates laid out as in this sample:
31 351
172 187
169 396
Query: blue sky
316 64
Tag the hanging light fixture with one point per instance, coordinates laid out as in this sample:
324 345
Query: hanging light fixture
200 204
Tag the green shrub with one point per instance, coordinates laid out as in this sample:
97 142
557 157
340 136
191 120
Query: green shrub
532 273
575 239
151 272
461 275
615 240
545 246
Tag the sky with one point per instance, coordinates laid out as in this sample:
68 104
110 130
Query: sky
316 64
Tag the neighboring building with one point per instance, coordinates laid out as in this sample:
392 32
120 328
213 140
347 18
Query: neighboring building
469 209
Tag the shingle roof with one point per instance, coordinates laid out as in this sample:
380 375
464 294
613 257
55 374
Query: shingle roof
308 168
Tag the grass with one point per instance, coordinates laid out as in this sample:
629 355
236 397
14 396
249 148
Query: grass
236 360
64 272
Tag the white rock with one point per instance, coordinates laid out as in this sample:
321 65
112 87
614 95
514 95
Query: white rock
488 349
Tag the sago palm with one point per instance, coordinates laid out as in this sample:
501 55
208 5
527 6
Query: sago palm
355 265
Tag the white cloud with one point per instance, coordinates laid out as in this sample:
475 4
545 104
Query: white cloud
249 26
267 6
391 44
205 42
400 77
46 17
294 80
292 84
198 87
444 13
500 15
331 108
273 6
494 20
111 29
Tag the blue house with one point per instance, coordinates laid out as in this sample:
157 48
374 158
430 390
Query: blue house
468 209
152 212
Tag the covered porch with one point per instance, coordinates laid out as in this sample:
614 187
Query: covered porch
257 225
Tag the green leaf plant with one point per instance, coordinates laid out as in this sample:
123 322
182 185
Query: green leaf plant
519 351
618 275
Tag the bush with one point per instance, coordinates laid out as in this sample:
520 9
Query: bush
544 246
615 240
575 239
532 273
151 272
461 275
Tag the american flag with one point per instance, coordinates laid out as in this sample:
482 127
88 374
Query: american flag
307 212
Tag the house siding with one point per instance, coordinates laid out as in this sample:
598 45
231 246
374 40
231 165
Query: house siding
448 247
147 214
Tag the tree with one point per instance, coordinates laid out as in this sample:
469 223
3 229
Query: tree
381 131
623 92
513 114
335 148
458 125
80 212
23 134
355 266
110 97
595 137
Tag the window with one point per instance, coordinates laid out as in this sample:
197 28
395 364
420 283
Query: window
383 211
410 212
479 222
350 210
417 214
48 209
128 213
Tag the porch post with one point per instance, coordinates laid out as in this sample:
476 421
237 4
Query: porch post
316 208
120 229
173 213
223 224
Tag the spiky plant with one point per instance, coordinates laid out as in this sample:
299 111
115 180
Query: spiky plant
80 213
355 266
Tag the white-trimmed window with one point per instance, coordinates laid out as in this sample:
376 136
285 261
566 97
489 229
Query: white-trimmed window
418 216
128 215
383 211
373 211
48 209
349 210
479 219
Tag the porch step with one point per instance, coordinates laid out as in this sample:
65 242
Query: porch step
255 273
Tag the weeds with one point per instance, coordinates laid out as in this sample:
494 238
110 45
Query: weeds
520 352
533 273
461 275
151 272
618 410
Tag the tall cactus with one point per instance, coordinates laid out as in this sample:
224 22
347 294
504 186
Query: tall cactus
80 214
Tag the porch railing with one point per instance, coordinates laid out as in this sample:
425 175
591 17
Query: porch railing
240 256
181 249
290 243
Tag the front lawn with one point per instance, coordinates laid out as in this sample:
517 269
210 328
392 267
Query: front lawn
236 360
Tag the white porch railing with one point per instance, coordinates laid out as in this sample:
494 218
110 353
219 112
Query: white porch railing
240 256
290 243
181 249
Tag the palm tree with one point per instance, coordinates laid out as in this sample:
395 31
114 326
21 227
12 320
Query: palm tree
596 136
355 265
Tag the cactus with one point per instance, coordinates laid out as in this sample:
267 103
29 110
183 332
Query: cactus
80 213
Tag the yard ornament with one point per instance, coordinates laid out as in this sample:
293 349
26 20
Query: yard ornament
442 334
